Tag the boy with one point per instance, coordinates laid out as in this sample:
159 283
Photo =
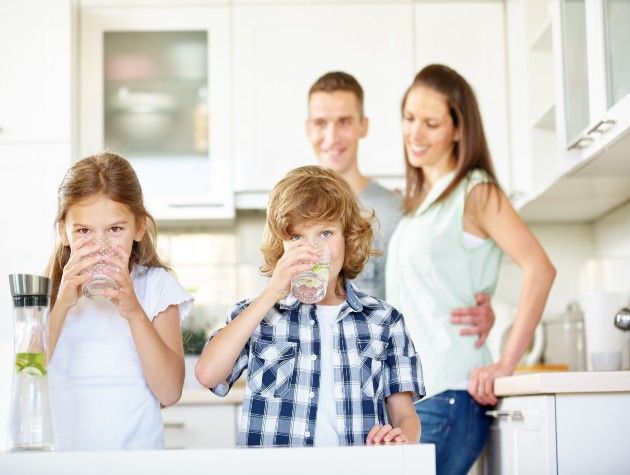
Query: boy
333 373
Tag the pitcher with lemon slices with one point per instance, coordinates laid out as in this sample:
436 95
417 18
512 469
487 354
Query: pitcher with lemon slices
30 426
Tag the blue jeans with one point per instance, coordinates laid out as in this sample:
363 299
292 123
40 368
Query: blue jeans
459 428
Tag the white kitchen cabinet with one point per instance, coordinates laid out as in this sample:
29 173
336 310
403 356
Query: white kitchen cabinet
522 439
155 87
280 50
481 59
563 433
36 81
569 161
200 426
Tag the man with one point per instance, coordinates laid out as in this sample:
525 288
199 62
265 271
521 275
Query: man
336 123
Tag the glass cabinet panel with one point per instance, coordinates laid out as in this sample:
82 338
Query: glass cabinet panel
617 31
155 92
576 97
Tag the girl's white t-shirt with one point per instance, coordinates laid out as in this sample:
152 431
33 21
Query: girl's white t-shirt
326 420
99 397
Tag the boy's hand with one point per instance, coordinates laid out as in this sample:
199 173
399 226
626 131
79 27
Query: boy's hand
479 318
74 272
298 257
125 296
385 434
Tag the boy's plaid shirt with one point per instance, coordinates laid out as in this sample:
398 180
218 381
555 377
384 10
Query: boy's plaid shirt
373 359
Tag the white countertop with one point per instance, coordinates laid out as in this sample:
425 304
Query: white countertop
563 383
405 459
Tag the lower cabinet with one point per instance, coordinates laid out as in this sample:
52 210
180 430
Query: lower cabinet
197 426
560 434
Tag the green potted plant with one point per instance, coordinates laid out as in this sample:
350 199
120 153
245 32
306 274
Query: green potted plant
194 339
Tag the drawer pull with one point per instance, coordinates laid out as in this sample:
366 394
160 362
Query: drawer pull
581 143
517 415
602 126
174 425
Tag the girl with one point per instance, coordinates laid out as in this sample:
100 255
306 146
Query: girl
446 249
112 362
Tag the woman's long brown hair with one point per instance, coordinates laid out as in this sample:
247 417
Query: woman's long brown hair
471 151
112 176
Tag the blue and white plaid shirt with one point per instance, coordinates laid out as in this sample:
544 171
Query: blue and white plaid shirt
373 359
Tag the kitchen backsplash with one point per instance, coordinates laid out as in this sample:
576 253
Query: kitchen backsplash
218 266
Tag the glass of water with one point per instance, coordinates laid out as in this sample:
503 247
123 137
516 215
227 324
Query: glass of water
310 286
93 288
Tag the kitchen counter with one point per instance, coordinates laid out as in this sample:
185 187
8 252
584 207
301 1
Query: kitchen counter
406 459
571 382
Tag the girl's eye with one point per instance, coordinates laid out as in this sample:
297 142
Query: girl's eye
83 230
116 229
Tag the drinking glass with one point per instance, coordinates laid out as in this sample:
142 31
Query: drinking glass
310 286
93 288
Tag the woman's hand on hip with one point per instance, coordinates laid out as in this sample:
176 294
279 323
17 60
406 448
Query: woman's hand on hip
479 319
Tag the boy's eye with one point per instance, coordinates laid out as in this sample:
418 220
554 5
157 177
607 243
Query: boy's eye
295 238
326 233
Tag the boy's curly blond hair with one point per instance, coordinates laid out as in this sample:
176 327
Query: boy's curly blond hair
314 193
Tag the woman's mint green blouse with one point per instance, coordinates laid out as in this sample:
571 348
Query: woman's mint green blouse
431 270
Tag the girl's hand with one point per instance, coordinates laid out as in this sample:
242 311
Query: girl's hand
385 434
74 273
125 296
298 257
481 385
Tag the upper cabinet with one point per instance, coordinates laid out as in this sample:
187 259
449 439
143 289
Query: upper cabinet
36 82
481 59
155 88
570 107
281 49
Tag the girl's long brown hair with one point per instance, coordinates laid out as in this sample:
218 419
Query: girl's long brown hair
112 176
471 151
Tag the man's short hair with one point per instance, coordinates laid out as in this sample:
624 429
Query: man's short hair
338 81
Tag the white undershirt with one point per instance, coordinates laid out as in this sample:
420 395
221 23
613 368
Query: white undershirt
326 420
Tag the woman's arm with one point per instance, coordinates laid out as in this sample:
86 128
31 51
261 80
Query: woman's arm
405 425
490 211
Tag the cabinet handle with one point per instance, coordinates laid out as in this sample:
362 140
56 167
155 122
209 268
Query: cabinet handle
174 425
518 415
581 143
602 127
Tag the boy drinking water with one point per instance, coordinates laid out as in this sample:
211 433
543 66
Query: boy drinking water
339 372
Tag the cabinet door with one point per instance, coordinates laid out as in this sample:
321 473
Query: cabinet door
481 59
155 87
35 82
523 436
200 426
280 50
592 431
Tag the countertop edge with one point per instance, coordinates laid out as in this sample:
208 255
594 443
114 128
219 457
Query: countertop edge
563 383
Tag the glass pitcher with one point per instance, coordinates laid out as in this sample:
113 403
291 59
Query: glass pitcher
30 421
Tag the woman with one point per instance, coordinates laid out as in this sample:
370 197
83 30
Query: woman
447 248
